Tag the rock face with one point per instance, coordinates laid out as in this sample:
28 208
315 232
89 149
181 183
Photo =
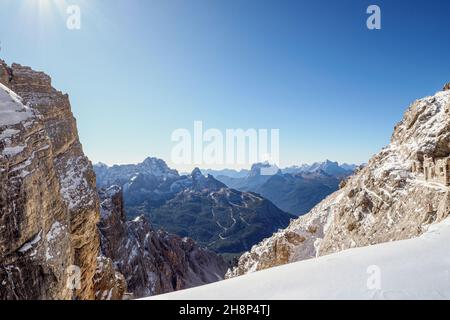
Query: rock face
109 284
153 262
50 211
49 206
384 201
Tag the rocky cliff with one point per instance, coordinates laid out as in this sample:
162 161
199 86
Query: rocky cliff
153 262
384 201
49 206
53 244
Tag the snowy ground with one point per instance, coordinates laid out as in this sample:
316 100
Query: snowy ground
412 269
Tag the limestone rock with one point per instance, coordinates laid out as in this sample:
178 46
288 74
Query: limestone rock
35 239
49 206
109 284
50 211
5 73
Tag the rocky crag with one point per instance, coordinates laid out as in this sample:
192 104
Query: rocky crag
153 262
387 200
50 211
49 204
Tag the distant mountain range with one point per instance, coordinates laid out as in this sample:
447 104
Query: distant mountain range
330 167
195 205
295 189
227 213
150 183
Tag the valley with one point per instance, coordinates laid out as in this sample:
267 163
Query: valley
224 220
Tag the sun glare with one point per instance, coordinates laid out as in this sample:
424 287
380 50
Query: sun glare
45 9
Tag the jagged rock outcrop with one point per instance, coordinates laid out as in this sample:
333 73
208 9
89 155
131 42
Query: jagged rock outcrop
109 284
5 73
153 262
447 87
49 206
384 201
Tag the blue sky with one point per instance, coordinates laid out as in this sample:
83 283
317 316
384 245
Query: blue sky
139 69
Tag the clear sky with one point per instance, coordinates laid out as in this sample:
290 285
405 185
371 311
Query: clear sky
139 69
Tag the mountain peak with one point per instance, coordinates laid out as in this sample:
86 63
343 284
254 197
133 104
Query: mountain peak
152 161
258 167
101 165
196 173
201 182
157 167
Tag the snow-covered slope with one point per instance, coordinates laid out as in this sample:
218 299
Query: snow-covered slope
418 268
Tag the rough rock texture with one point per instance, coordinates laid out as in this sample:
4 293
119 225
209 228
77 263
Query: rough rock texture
49 212
109 284
382 202
5 73
29 187
153 262
49 206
